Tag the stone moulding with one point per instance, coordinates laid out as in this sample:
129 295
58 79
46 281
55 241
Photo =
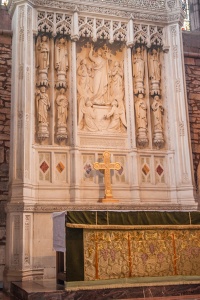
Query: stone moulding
156 11
49 208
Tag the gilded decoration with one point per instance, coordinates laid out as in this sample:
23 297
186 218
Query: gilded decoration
113 254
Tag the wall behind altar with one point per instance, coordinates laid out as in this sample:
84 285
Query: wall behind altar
191 46
192 67
5 95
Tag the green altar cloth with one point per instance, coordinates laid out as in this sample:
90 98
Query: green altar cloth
112 245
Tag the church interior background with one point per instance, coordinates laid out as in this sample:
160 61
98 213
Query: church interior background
78 78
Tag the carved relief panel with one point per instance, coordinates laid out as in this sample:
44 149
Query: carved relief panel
100 88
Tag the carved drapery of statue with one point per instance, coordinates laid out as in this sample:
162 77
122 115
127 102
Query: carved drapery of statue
88 117
100 81
117 118
141 120
42 106
61 61
100 89
42 60
62 114
138 70
154 71
158 112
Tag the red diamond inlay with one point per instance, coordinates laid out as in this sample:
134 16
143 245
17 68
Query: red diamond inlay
159 170
44 167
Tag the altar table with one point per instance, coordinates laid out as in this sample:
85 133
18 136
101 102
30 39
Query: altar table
112 245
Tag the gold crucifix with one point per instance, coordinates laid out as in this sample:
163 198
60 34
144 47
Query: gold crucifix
107 166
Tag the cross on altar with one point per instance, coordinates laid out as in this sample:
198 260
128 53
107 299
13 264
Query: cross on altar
107 166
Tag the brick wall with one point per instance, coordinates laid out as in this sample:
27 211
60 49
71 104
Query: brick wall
191 44
5 97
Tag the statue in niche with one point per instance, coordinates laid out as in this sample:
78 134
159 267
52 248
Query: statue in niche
42 104
158 112
42 54
154 72
42 60
61 61
62 105
154 66
138 64
138 70
88 117
141 112
117 117
100 80
141 120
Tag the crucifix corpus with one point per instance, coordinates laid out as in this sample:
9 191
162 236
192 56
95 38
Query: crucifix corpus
106 165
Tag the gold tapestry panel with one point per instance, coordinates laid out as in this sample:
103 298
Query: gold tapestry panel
111 254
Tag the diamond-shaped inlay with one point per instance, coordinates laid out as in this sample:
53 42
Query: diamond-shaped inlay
44 166
87 168
120 171
60 167
145 169
159 170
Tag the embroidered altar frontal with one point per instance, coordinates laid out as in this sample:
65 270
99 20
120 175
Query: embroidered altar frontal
113 245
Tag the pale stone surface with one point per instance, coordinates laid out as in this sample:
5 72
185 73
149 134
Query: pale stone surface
53 149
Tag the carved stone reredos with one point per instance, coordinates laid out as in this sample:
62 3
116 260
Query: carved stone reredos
158 11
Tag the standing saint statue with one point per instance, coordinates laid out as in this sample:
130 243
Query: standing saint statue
158 112
100 81
117 84
154 66
62 105
138 71
42 60
141 112
84 86
61 62
61 55
141 120
42 104
42 54
138 65
154 72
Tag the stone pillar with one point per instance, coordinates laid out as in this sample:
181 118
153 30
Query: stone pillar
178 117
19 223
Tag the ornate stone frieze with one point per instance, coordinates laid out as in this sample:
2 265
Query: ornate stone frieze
128 9
109 142
70 207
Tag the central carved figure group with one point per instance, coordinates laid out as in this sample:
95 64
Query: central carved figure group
101 84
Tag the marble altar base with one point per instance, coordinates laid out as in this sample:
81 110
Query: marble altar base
174 288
